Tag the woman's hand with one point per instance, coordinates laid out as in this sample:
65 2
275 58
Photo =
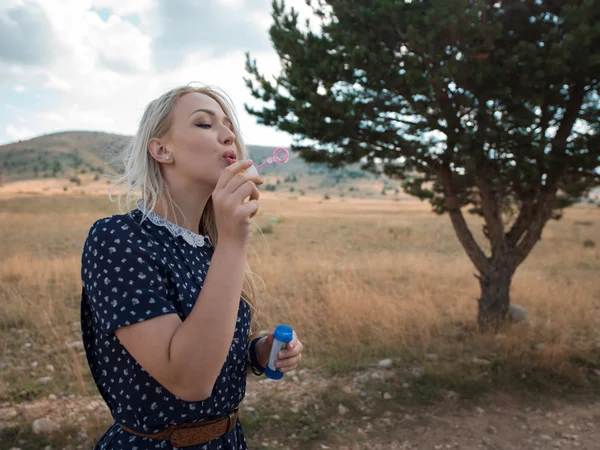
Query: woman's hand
287 359
232 212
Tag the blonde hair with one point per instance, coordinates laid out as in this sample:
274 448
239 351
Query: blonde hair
141 172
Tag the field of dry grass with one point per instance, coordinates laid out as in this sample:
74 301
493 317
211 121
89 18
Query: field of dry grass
359 280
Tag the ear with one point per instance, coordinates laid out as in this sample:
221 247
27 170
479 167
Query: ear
159 152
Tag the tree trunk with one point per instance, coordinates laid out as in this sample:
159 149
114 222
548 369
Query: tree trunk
495 296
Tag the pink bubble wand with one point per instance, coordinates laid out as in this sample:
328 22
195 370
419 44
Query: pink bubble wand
253 170
275 158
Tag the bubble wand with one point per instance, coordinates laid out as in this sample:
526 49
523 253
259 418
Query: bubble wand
283 333
271 160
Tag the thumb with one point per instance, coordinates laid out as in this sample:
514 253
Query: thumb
269 340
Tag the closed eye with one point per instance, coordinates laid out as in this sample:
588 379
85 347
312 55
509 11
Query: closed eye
203 125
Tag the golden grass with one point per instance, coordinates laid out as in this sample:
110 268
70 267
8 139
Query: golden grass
358 280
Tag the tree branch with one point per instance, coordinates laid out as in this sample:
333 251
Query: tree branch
493 220
460 226
523 220
534 230
559 143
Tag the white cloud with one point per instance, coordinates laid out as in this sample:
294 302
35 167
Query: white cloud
26 35
105 76
120 45
92 44
16 133
56 83
124 8
19 88
234 4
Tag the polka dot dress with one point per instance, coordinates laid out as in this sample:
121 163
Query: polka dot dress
134 270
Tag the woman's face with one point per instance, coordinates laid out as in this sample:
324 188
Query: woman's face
200 142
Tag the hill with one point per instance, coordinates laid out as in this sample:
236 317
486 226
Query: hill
77 156
56 155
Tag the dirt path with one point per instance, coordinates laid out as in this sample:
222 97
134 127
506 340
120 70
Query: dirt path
314 413
499 422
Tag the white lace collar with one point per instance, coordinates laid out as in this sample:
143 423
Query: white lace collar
195 240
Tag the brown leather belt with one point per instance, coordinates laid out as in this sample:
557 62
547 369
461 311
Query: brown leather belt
189 434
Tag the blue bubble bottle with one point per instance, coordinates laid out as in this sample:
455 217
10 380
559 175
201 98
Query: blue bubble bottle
282 336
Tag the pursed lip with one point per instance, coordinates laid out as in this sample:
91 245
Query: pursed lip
230 157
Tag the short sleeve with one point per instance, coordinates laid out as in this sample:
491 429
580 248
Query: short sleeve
123 274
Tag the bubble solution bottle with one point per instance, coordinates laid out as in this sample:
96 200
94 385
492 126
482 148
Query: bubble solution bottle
282 336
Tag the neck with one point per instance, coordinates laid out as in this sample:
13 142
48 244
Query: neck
184 206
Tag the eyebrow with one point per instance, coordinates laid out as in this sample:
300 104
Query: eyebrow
211 112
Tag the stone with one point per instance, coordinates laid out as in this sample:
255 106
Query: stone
50 368
431 357
44 380
385 363
387 396
342 410
52 397
44 426
93 405
517 313
77 345
481 361
417 372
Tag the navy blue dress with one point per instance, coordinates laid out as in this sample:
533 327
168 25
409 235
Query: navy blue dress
134 270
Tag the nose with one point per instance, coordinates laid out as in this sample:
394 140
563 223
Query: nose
227 137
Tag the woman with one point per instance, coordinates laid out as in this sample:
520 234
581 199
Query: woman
167 295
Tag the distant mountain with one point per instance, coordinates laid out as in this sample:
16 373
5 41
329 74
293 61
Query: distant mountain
57 155
79 152
86 154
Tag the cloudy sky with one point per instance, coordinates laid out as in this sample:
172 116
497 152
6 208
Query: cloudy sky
95 64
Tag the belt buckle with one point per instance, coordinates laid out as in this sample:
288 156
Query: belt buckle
231 417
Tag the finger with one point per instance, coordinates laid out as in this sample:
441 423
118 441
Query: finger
288 362
289 353
294 343
240 179
248 189
255 194
229 172
249 209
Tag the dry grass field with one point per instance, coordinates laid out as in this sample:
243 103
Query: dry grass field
359 280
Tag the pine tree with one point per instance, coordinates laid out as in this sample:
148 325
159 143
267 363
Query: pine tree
483 107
